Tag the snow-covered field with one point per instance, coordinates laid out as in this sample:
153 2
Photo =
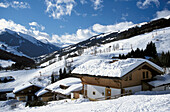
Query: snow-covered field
160 37
141 102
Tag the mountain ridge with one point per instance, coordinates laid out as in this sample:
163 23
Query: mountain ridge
26 44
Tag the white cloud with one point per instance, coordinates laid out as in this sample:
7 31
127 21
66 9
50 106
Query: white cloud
97 4
12 26
37 25
124 16
15 4
112 28
20 28
4 5
59 8
80 14
83 2
94 15
162 14
83 34
80 35
67 39
168 2
146 3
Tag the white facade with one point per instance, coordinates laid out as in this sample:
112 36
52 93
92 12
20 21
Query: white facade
94 92
133 89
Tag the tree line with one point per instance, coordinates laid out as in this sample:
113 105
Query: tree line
150 53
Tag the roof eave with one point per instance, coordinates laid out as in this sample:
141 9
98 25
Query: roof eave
99 76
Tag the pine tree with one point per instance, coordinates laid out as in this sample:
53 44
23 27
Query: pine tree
64 73
60 74
52 78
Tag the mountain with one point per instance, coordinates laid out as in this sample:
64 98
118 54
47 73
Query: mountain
25 44
137 36
105 38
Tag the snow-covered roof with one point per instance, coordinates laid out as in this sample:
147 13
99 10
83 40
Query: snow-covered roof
7 78
10 95
74 87
41 92
24 86
74 84
7 90
104 67
161 80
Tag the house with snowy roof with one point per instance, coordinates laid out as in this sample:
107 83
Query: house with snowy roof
161 83
6 79
26 92
65 88
105 78
5 92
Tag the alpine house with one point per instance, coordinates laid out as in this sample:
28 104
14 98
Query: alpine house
104 78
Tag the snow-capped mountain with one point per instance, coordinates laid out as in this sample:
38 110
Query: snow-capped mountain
25 44
136 36
105 38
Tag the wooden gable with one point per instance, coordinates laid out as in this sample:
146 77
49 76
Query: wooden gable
143 72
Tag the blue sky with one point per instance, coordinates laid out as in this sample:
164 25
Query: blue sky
71 21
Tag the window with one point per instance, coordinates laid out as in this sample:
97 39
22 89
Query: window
126 78
130 77
103 93
130 91
143 75
94 93
147 74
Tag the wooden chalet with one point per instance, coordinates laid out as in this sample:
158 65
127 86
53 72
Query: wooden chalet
26 92
104 79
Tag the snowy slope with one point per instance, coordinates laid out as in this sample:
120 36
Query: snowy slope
145 102
160 37
11 49
42 76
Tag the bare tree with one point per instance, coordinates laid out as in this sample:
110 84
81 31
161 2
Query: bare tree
117 46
